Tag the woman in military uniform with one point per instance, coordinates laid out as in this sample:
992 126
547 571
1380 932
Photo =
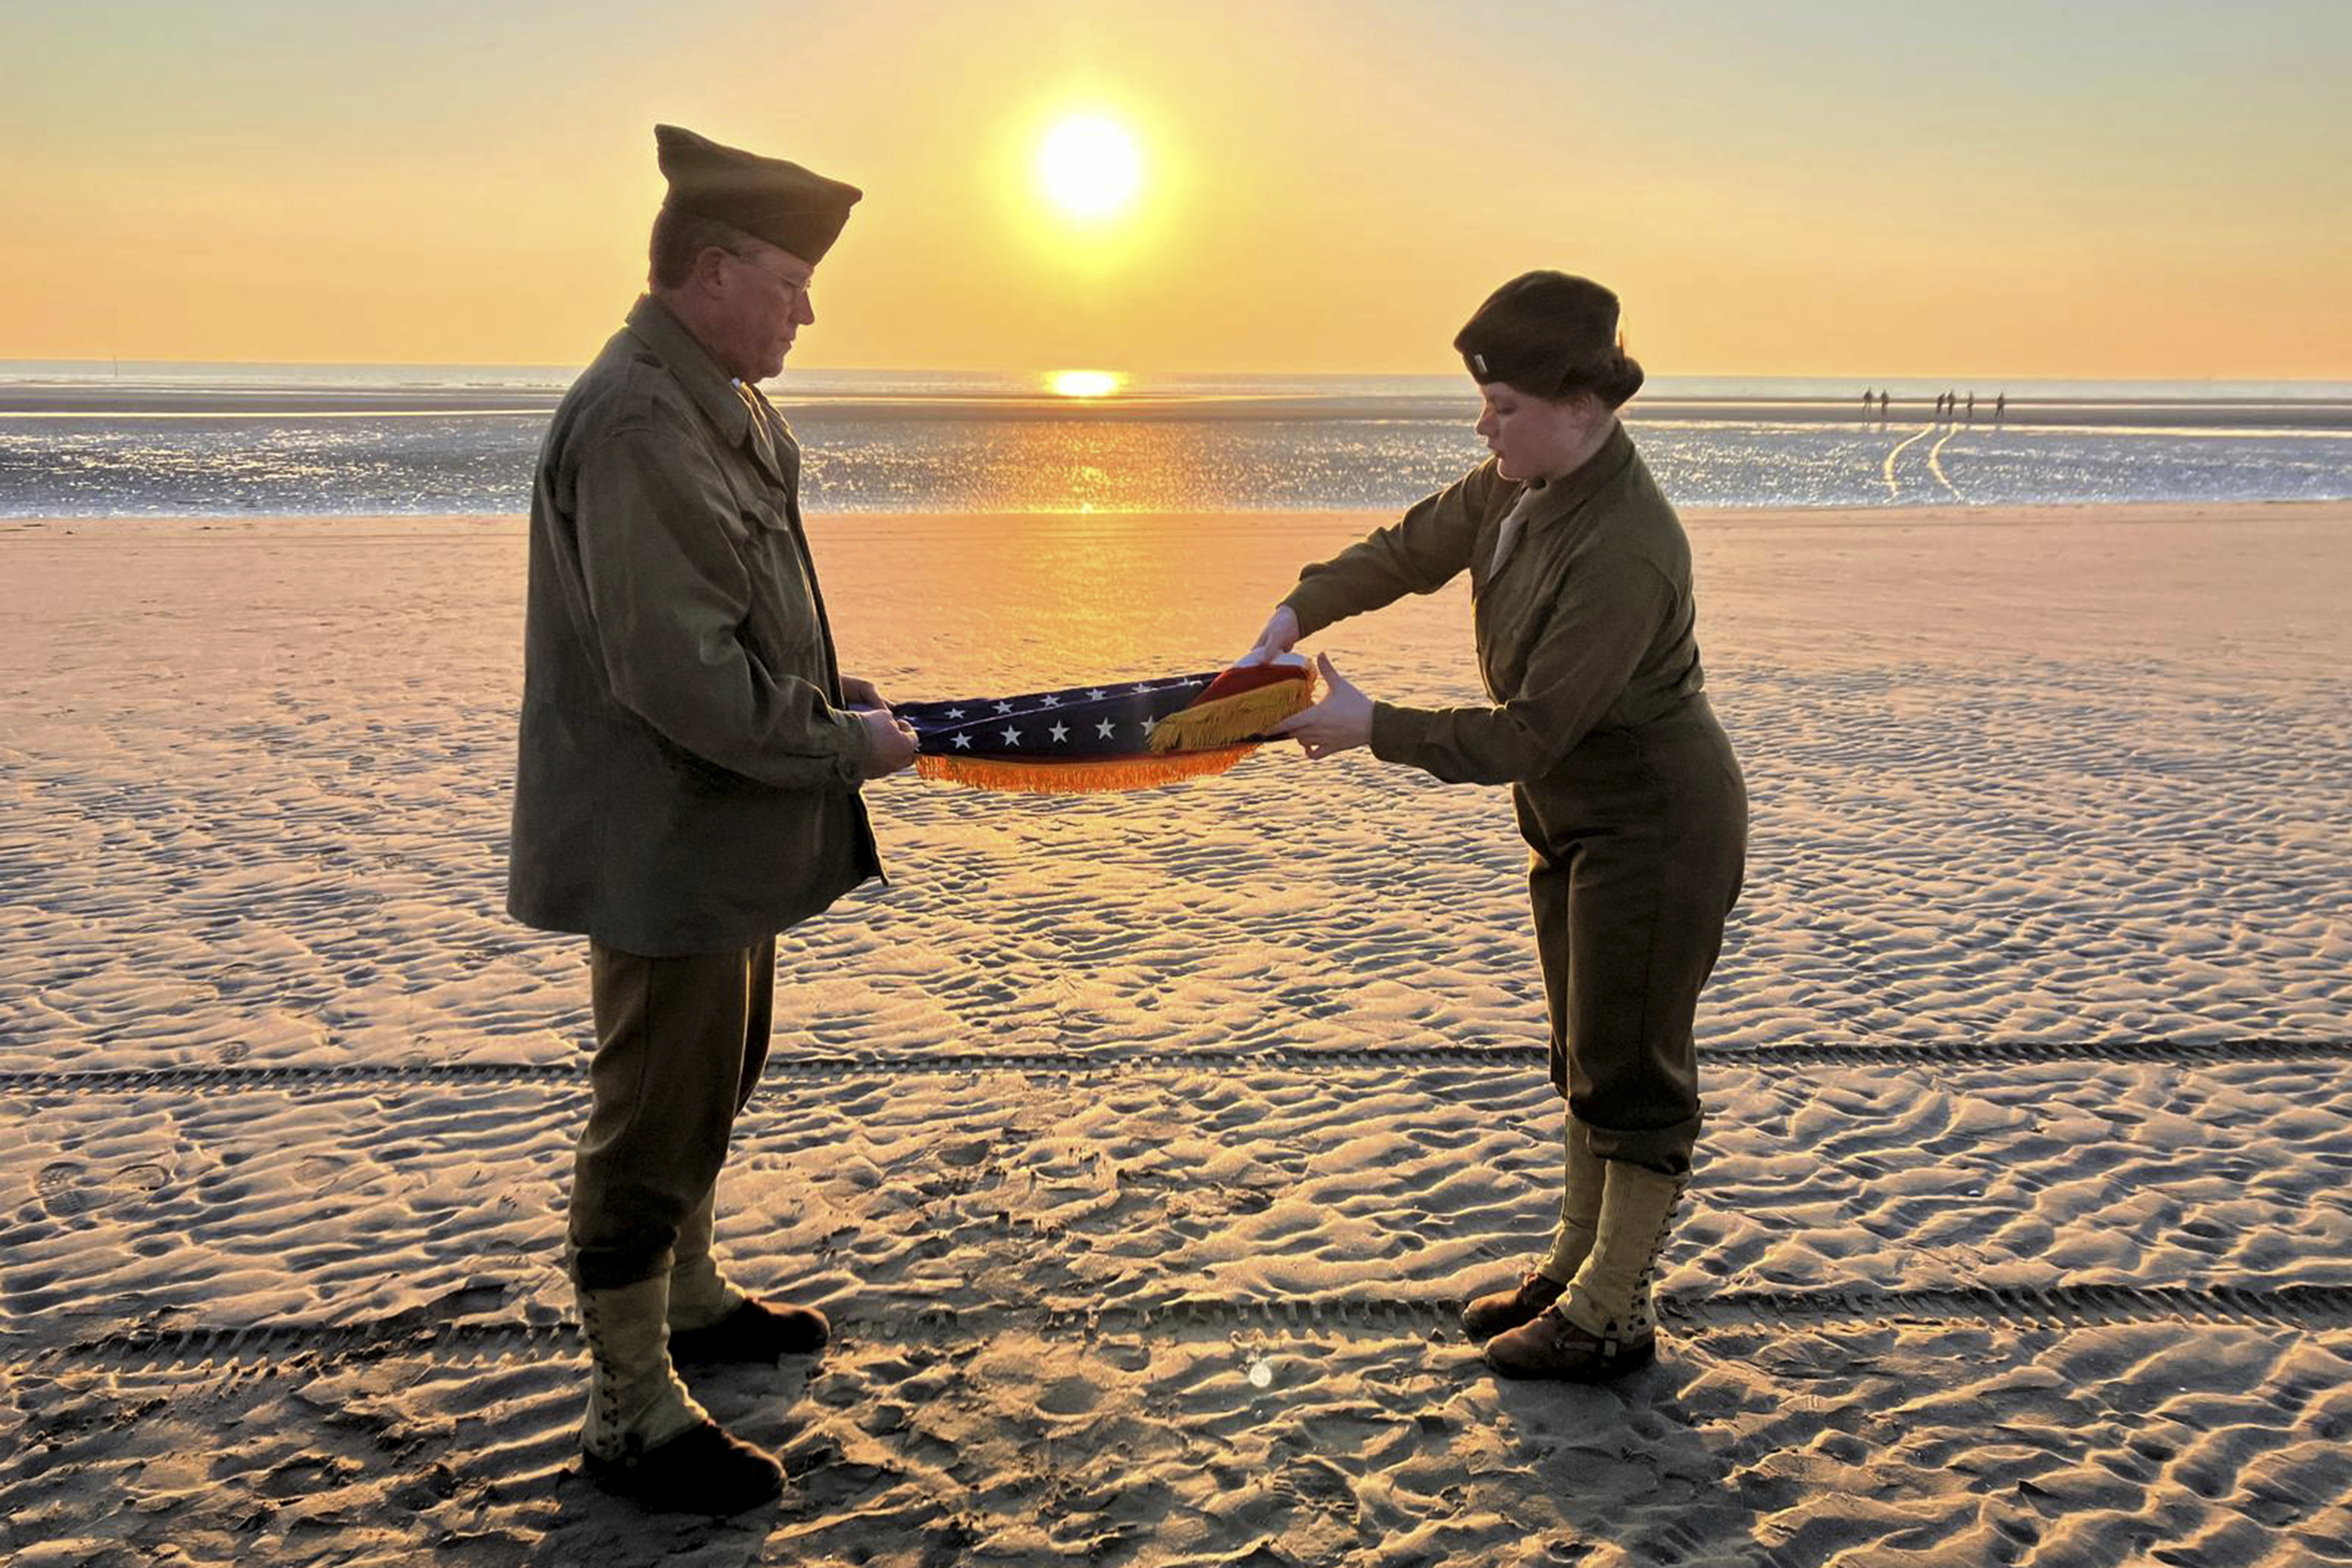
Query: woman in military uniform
1625 786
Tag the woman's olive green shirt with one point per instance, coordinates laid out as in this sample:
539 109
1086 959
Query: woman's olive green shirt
1588 626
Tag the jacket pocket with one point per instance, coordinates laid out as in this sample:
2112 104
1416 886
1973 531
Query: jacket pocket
782 623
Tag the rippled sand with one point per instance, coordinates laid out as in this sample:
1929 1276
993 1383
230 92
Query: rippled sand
1137 1143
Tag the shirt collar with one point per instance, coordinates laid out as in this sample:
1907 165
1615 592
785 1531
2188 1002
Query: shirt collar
1563 496
656 326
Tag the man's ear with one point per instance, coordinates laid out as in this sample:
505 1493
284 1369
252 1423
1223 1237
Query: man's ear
710 266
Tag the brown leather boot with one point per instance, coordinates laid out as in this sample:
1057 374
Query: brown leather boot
704 1470
712 1322
1602 1326
752 1330
1551 1347
1490 1315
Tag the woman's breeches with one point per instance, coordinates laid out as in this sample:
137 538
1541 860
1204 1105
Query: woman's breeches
1639 843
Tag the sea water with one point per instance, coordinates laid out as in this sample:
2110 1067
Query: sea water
79 439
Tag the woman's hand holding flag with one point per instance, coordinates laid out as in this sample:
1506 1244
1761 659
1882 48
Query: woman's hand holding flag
1281 632
1341 722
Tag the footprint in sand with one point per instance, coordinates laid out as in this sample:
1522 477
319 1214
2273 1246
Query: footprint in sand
70 1187
963 1156
1071 1396
1316 1483
318 1173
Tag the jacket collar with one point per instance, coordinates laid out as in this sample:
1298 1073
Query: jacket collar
1561 496
656 326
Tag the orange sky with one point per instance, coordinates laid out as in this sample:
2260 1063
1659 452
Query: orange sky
2156 189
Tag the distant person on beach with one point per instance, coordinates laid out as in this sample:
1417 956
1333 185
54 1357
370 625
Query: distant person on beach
1624 784
1881 407
691 759
2000 407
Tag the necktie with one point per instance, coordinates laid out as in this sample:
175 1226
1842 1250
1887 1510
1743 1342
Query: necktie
1508 534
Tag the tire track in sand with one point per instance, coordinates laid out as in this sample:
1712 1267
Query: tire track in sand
304 1346
1792 1054
1935 464
1894 489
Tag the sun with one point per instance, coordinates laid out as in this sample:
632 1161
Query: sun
1088 168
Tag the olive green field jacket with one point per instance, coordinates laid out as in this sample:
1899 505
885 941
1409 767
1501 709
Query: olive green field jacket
687 780
1588 626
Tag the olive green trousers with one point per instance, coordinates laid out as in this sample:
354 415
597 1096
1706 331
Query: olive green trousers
1640 845
679 1045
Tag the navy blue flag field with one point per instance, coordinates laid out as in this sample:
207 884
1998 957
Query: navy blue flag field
1126 734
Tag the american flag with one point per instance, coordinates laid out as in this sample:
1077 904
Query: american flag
1074 724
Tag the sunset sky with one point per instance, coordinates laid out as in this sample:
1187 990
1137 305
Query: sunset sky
2101 188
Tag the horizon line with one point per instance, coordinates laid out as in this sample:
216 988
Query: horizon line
1857 378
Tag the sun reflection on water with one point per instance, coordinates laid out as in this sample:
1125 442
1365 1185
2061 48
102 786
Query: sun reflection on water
1084 383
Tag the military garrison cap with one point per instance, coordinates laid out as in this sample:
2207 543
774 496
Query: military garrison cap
1545 333
767 198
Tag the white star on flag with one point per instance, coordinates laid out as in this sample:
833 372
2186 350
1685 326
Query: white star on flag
963 742
1106 729
1011 736
1053 700
1095 694
955 713
1004 708
1147 724
1059 731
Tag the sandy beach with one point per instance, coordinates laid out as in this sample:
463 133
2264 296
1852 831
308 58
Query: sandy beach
1142 1145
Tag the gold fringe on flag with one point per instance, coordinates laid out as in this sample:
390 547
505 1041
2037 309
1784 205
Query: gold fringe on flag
1225 721
1083 777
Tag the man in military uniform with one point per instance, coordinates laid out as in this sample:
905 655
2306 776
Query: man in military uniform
691 759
